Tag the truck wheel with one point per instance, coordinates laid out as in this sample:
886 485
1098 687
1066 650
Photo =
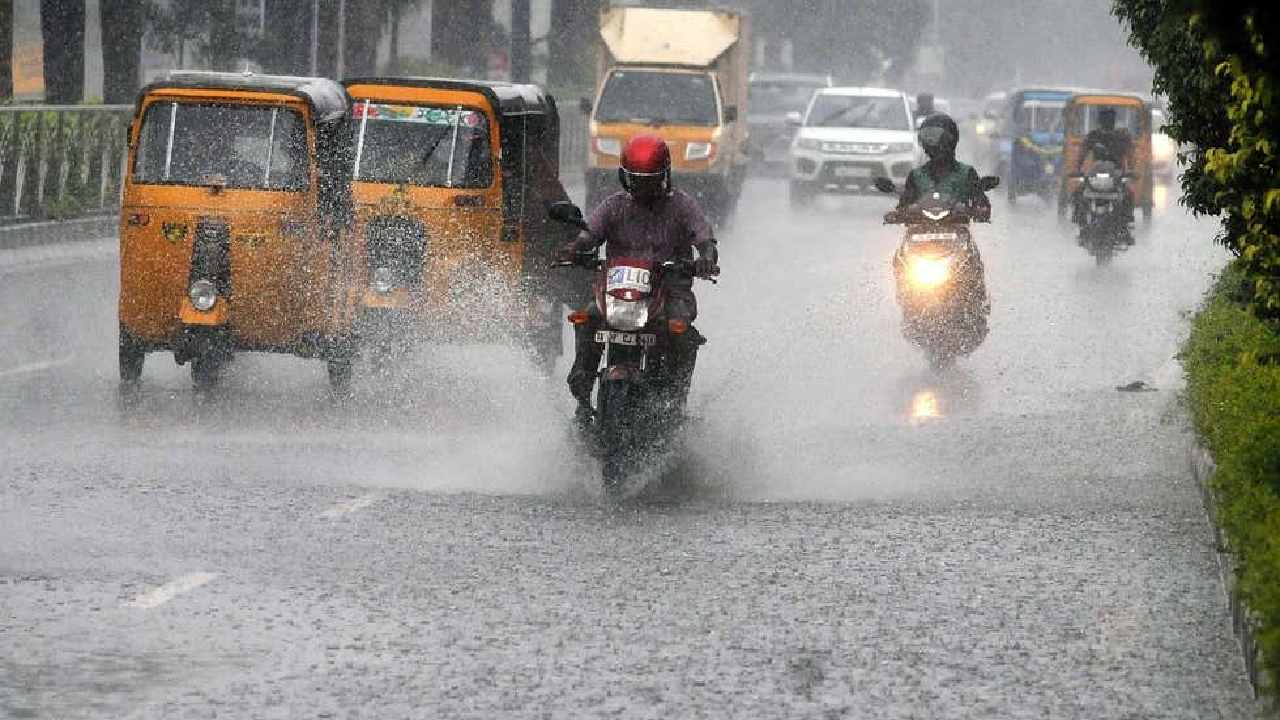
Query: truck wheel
131 358
800 195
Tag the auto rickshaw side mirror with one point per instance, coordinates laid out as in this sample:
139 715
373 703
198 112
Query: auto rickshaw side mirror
988 183
731 113
567 213
584 105
885 185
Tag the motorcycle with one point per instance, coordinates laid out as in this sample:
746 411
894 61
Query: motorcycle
940 284
1104 227
639 401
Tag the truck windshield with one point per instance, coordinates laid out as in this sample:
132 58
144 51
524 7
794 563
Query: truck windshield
256 147
426 145
778 97
884 113
658 98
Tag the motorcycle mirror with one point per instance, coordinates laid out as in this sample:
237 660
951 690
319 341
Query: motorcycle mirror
989 183
566 212
584 105
885 185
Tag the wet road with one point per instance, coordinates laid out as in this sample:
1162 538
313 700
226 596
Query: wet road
845 535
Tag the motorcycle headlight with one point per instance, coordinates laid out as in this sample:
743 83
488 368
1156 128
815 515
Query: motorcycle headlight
927 273
699 150
626 314
203 295
808 144
383 280
1102 182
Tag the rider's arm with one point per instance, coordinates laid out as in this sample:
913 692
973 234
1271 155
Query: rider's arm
700 235
910 192
978 201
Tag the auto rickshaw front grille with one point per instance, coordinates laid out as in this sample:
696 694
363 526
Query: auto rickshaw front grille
211 255
398 244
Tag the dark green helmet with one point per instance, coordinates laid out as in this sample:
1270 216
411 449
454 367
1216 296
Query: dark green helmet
939 135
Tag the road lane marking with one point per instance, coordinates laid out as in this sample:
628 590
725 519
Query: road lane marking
346 507
32 368
170 590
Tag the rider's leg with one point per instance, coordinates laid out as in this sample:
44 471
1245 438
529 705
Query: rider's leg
683 354
586 364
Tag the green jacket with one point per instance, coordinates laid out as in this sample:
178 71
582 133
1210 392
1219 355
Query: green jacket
960 181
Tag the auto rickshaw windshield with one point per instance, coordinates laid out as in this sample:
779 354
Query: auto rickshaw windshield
1128 117
259 147
1038 116
426 145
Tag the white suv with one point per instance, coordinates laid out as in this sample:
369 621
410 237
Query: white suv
848 137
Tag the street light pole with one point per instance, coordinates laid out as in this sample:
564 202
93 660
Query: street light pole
315 37
342 38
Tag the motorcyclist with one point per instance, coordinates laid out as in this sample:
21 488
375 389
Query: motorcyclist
1104 142
939 136
924 105
649 220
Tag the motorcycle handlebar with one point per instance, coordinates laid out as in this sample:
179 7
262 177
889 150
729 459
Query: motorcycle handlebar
684 267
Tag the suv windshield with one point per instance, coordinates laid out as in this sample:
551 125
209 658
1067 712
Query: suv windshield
659 98
777 97
256 147
884 113
429 145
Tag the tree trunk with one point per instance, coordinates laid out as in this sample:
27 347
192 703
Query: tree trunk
393 62
364 25
571 43
121 49
521 51
62 28
458 31
6 50
288 30
224 45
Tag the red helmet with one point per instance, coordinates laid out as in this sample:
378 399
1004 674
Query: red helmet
646 165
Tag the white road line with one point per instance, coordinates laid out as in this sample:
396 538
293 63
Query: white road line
170 590
347 507
35 367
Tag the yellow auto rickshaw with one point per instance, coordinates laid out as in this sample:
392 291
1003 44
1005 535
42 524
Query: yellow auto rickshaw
1133 115
230 223
450 180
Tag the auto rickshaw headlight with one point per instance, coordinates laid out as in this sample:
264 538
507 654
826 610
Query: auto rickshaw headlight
384 280
203 295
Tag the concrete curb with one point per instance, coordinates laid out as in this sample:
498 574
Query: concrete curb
1243 620
58 231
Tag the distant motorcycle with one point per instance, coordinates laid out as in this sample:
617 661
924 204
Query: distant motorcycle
941 286
639 403
1100 213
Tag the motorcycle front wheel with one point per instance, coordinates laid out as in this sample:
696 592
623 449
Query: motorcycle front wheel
616 434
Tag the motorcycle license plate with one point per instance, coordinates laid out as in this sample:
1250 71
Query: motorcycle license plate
626 338
852 172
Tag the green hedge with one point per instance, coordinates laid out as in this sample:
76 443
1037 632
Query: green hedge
1232 361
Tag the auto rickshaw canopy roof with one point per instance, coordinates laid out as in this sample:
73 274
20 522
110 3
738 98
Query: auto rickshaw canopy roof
508 99
328 99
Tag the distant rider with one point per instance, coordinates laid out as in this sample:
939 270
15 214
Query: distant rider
1108 143
648 220
939 137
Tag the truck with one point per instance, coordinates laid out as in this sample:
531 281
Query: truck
681 74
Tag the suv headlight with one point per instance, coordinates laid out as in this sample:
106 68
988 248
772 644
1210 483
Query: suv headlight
609 146
808 144
699 150
901 147
203 295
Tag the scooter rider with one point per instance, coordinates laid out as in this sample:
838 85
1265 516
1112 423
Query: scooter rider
939 136
648 220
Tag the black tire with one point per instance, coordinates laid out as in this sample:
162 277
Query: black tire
800 195
205 372
131 359
616 436
340 373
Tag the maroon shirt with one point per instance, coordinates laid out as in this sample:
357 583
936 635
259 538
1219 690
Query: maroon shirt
663 231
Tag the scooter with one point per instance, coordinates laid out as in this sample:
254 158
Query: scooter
639 400
941 286
1104 227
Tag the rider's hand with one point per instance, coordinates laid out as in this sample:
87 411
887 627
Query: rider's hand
982 214
893 217
708 262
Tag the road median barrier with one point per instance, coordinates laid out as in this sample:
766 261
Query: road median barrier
1232 362
50 232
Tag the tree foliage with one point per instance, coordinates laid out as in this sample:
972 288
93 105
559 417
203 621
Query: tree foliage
1216 61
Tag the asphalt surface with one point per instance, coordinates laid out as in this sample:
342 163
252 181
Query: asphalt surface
844 534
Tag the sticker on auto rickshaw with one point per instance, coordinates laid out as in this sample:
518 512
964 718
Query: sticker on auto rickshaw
423 114
174 232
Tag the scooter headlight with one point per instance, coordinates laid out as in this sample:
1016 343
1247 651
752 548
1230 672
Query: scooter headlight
928 273
383 281
1102 182
203 295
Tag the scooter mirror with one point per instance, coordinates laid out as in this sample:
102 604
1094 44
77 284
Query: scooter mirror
565 212
885 185
989 183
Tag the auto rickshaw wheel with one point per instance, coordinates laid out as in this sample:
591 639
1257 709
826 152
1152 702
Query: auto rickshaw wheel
205 370
340 372
131 358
